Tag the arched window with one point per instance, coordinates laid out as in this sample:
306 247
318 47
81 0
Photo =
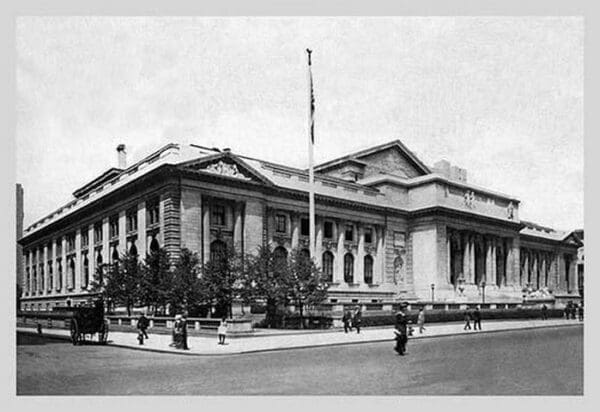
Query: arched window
280 255
217 250
368 265
154 246
328 266
348 268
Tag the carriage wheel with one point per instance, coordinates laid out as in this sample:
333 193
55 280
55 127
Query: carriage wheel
74 331
103 333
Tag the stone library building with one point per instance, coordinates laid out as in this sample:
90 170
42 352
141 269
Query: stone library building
388 227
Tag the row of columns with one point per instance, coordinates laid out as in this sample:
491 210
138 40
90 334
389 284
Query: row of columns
541 269
64 271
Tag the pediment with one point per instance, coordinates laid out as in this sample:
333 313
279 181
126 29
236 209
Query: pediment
228 166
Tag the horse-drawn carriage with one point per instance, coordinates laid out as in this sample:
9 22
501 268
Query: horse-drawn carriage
87 320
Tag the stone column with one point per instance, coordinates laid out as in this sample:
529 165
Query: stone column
142 245
161 219
449 257
295 229
319 242
488 261
573 274
206 230
380 257
338 270
238 240
78 260
54 266
360 255
472 267
122 248
47 285
91 255
105 241
466 258
65 265
494 261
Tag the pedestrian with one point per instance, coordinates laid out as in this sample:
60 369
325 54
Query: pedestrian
142 325
567 311
467 318
476 318
544 312
180 333
580 312
400 330
357 319
184 321
346 319
222 331
421 320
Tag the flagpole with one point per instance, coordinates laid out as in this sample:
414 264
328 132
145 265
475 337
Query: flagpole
311 172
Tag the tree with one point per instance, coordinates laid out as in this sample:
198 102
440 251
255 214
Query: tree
119 281
265 278
306 285
185 285
220 280
155 280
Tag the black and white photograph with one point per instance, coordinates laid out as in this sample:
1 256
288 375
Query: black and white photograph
299 206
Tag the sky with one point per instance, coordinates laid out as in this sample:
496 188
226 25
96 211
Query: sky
500 97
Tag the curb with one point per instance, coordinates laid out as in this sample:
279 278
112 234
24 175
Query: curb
172 352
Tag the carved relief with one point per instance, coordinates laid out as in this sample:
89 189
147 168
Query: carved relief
399 267
469 199
225 169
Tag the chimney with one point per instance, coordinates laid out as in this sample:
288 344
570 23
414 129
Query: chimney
121 156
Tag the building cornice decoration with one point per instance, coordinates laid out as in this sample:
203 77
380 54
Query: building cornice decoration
225 169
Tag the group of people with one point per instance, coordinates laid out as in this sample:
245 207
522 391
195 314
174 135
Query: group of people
574 311
474 316
352 319
179 332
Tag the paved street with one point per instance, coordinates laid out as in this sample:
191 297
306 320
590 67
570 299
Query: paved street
526 362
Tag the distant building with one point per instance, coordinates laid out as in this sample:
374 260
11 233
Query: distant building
388 228
19 234
580 260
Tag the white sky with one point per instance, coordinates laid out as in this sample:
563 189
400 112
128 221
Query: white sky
501 97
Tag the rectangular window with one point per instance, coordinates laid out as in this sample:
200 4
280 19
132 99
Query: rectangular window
368 235
349 233
328 230
131 220
153 212
59 247
98 233
304 227
49 276
85 237
70 243
218 215
280 223
113 226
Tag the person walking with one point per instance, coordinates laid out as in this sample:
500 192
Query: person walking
421 320
180 333
346 320
544 312
580 312
476 318
222 331
142 325
467 318
357 319
400 330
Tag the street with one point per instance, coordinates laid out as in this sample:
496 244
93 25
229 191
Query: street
546 361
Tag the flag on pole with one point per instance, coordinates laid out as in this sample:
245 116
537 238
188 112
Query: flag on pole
311 173
312 100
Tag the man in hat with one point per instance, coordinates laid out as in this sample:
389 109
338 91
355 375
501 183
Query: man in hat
400 330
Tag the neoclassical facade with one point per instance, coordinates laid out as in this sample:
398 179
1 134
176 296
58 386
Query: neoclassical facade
388 227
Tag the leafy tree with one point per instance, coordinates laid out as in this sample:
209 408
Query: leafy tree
265 279
155 281
119 281
185 289
220 280
306 285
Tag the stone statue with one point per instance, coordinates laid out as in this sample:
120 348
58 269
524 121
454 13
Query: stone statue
510 211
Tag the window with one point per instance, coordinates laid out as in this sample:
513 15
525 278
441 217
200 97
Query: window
218 215
368 235
368 275
348 268
42 286
328 266
98 232
280 224
59 247
113 226
217 250
153 212
70 243
349 233
86 272
328 230
50 276
131 220
59 275
304 227
71 278
280 256
85 237
27 279
34 280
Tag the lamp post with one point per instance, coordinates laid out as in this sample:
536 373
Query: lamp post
483 291
432 295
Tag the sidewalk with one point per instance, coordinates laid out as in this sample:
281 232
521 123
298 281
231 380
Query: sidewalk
269 342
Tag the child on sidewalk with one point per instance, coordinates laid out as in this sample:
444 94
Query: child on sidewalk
222 331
